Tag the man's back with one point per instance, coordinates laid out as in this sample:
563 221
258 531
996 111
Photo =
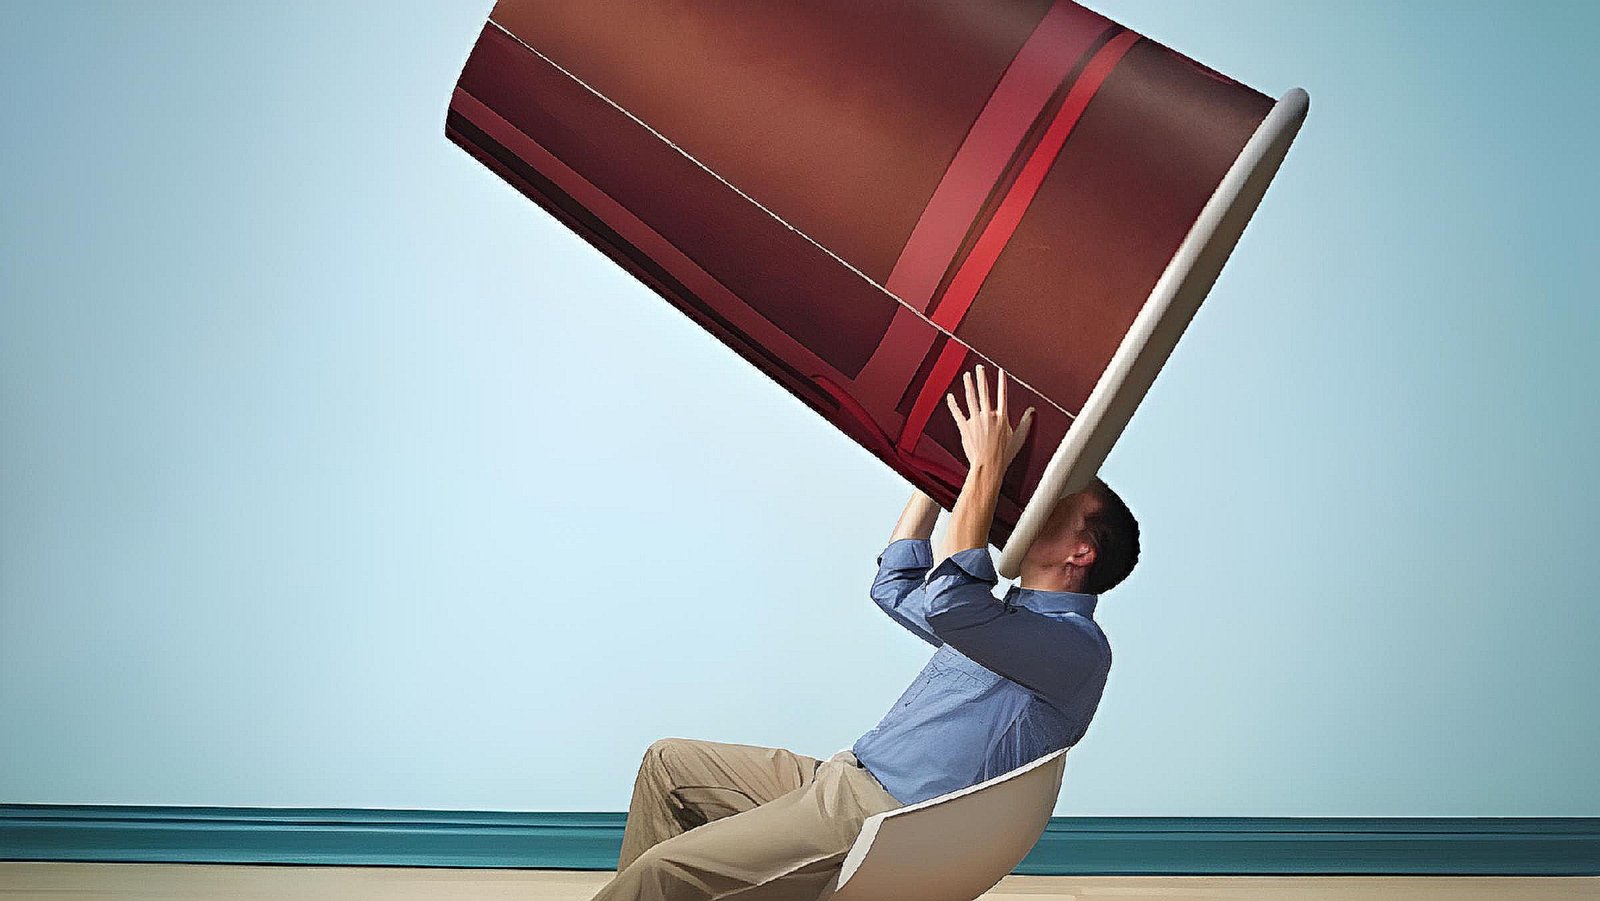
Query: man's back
1013 678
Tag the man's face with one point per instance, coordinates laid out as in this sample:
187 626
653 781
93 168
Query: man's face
1064 533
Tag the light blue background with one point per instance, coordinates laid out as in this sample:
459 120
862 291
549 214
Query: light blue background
305 498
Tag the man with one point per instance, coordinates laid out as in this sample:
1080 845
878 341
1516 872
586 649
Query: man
1013 679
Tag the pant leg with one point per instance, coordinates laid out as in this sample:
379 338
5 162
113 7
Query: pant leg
684 783
788 849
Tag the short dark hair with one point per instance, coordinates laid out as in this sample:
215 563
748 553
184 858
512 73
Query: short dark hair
1115 535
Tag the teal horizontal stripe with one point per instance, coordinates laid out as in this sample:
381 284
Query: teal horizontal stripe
1533 846
1567 846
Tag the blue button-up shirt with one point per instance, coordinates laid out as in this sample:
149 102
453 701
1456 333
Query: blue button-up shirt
1013 679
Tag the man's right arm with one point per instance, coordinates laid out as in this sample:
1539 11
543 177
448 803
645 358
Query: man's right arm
917 519
897 589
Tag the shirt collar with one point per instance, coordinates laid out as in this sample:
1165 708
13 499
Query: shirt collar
1042 601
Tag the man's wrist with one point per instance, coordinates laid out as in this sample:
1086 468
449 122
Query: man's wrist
974 510
986 475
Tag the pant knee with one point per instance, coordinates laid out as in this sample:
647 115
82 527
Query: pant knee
663 746
661 754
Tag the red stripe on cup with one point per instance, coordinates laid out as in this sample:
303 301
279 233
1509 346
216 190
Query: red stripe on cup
1061 38
980 262
964 287
943 373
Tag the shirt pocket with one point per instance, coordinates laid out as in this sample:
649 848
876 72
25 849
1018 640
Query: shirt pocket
970 671
930 673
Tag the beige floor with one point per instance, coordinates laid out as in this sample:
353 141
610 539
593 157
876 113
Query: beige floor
192 882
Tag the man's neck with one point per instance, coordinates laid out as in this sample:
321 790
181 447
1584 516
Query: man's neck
1053 578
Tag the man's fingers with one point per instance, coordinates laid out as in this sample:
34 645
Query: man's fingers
983 389
955 408
1000 396
1020 436
972 395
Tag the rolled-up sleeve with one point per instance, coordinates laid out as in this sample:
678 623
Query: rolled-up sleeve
1053 658
898 586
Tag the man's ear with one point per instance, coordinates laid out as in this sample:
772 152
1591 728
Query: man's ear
1082 555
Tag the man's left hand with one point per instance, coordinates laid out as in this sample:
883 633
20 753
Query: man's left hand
987 437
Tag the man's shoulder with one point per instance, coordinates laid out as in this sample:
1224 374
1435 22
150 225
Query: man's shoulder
1091 631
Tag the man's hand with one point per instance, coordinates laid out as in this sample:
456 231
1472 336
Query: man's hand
990 445
986 434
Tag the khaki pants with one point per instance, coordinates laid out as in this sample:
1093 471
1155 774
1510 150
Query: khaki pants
714 820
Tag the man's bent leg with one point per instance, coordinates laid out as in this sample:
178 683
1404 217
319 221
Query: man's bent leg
788 849
683 784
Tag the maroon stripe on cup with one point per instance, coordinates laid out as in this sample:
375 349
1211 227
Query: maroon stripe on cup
953 306
1060 40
